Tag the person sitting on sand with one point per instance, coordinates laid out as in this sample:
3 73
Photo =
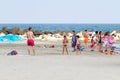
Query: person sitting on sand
93 33
78 45
30 41
65 43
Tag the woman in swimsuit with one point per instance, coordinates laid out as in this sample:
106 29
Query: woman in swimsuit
100 42
78 45
86 35
65 43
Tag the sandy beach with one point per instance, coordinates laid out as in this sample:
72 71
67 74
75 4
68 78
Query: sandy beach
57 32
49 64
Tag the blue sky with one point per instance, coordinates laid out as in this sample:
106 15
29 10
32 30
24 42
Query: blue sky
59 11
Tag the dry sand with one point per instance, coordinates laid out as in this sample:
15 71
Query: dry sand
49 64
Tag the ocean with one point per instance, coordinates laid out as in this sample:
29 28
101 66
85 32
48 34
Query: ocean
65 27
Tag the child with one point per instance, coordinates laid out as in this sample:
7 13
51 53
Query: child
92 44
78 45
65 43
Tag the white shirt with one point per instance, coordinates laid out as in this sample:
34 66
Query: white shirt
93 34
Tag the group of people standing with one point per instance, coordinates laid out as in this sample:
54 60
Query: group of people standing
76 43
100 41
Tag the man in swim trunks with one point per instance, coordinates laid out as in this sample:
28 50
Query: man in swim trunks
30 41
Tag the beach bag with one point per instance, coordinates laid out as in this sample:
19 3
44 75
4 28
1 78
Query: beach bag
13 52
82 48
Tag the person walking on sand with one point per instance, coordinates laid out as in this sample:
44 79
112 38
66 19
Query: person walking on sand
86 35
73 40
65 45
30 41
78 45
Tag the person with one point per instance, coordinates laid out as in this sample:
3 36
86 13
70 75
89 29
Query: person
93 42
73 40
97 39
110 42
30 41
65 45
100 43
78 45
105 41
93 33
86 35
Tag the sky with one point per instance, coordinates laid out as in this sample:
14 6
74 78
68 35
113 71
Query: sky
59 11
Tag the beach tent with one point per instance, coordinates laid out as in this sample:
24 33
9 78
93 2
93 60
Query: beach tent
10 38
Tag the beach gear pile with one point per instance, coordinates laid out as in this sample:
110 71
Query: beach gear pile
116 48
13 52
10 38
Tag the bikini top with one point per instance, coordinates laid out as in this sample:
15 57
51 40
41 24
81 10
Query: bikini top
65 41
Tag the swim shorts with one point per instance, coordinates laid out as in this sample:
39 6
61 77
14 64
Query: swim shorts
30 42
86 40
